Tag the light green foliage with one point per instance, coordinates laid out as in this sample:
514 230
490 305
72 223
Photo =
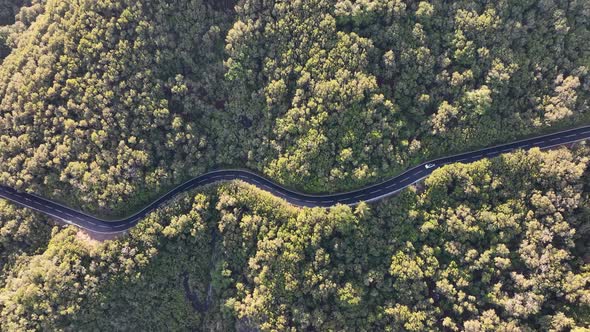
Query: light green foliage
105 103
95 104
114 101
133 283
22 233
494 244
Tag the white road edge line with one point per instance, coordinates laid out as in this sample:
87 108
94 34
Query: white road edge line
224 173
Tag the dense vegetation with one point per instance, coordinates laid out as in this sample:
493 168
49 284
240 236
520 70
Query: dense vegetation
494 245
105 102
21 234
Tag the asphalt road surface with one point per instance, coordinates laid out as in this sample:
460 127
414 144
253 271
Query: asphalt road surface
367 194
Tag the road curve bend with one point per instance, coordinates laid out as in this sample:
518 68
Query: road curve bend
368 194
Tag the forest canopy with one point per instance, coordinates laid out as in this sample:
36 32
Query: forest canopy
499 244
106 102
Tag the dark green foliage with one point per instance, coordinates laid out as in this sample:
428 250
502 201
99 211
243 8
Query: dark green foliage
8 10
497 244
94 101
355 89
103 104
131 284
106 103
15 17
22 233
487 244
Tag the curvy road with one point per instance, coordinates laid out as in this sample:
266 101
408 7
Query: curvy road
368 194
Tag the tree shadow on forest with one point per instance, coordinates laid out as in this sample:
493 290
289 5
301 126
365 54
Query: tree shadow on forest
225 5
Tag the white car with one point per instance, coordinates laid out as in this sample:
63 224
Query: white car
429 166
